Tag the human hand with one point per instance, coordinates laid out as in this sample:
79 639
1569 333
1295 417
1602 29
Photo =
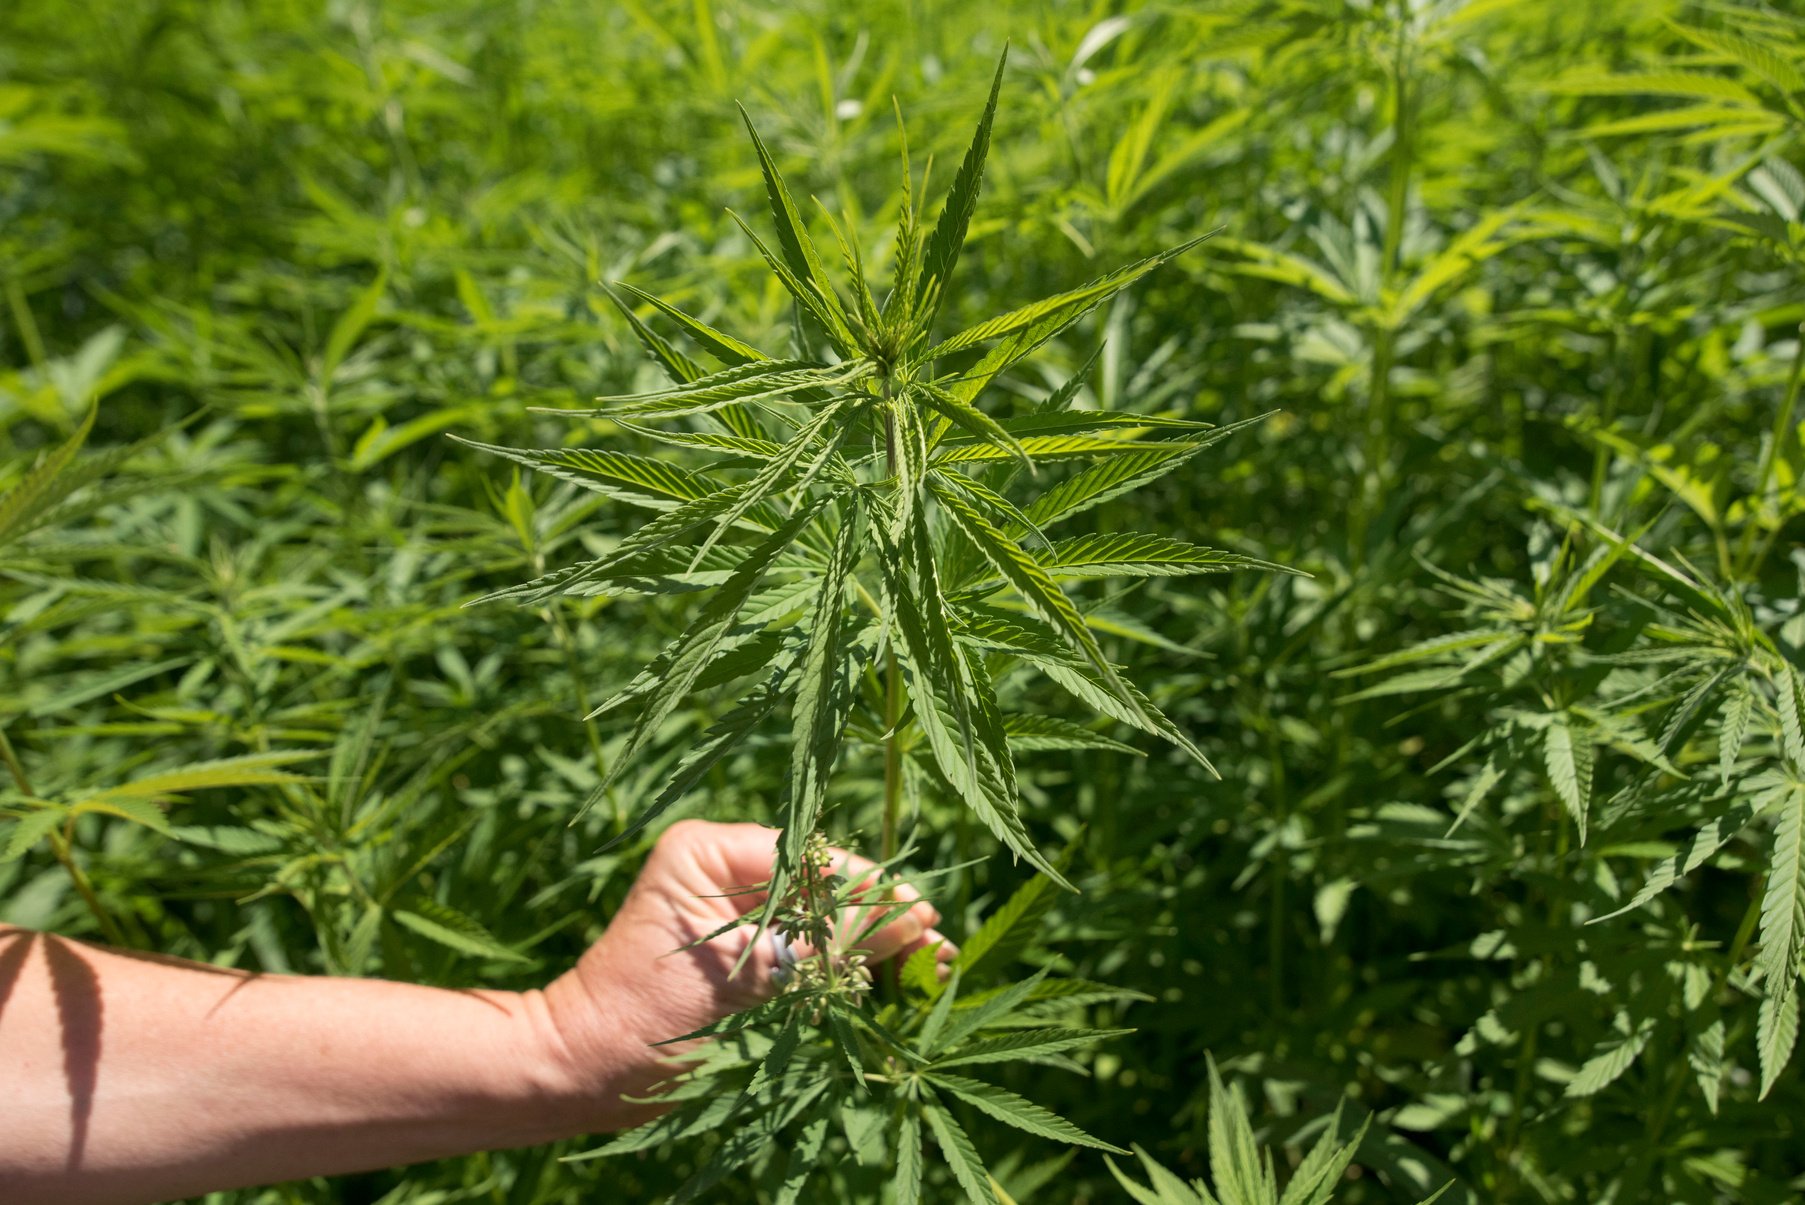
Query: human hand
638 985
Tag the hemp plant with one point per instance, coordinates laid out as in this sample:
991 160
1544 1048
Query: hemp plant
869 563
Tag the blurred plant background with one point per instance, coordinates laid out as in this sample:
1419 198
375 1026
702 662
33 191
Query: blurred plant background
1522 281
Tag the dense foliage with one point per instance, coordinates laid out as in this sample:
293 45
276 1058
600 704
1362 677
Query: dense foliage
1502 882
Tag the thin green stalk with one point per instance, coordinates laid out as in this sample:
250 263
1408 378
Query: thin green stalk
892 694
1782 424
60 846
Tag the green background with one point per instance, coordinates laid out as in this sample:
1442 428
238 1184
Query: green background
1509 273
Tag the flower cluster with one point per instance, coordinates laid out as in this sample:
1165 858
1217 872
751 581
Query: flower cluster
822 961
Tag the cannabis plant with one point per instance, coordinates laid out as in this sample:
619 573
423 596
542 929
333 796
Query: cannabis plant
872 562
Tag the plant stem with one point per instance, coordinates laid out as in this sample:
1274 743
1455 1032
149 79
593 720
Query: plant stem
892 693
59 845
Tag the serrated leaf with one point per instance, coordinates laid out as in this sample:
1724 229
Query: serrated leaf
1613 1057
1018 1111
1043 596
960 1155
1026 1046
30 830
1136 555
701 639
1567 752
454 930
35 491
1776 1034
252 769
908 1160
1783 909
1063 308
941 253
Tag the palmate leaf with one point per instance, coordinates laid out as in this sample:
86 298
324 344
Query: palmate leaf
1000 631
1109 478
1695 850
721 346
454 930
823 697
1062 308
721 739
704 635
1018 1111
799 252
642 480
1042 447
661 532
957 1149
1031 580
941 254
943 690
1135 555
967 417
1237 1165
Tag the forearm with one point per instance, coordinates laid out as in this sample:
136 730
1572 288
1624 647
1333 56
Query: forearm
127 1079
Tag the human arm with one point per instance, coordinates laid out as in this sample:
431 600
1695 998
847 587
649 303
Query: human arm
132 1078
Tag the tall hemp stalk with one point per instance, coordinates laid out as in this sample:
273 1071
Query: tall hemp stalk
862 562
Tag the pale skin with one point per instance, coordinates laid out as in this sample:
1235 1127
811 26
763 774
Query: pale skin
132 1078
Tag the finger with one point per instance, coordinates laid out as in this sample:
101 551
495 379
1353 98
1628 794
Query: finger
944 950
904 933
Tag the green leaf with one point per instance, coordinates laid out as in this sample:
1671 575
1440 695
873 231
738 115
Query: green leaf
792 236
1108 479
1613 1057
1166 1188
948 238
1776 1034
252 769
1783 929
36 493
226 838
960 1155
1024 1046
1567 751
1134 555
641 480
29 831
1041 733
967 417
1007 931
943 689
804 1157
1694 852
701 757
908 1160
1318 1175
823 697
1062 308
1018 1111
1236 1166
352 323
454 930
968 1021
723 347
1031 580
697 646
